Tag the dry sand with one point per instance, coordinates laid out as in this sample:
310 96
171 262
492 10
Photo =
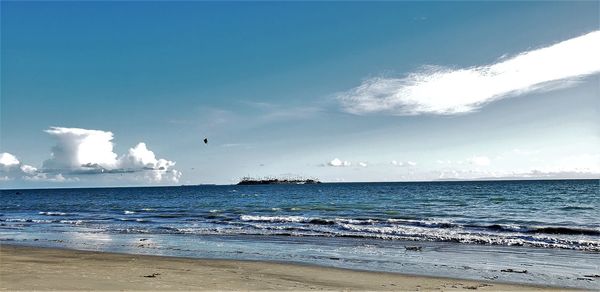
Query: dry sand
29 268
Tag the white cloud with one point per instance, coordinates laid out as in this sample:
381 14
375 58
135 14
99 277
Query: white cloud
8 160
446 91
570 174
28 169
140 158
9 165
271 112
80 148
362 164
82 151
339 163
403 164
480 160
48 177
11 168
581 162
457 174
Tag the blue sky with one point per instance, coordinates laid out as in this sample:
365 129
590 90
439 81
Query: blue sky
312 89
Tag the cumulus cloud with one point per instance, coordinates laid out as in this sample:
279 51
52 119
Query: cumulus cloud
339 163
8 160
362 164
140 158
83 151
11 168
447 91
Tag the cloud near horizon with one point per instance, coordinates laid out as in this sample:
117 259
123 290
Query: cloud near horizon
448 91
403 164
11 168
339 163
90 152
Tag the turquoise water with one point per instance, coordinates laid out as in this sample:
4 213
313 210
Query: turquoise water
465 229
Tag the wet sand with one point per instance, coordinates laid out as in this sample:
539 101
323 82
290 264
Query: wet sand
33 268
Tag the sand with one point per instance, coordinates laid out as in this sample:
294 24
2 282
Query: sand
32 268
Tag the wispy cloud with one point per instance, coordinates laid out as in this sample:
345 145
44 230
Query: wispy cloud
454 174
403 164
229 145
447 91
270 112
525 152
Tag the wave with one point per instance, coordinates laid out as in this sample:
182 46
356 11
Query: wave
74 222
425 223
282 219
465 236
531 233
302 219
539 230
572 208
565 230
140 220
53 213
167 216
499 227
356 221
385 233
26 220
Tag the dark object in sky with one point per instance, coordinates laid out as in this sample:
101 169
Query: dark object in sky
205 141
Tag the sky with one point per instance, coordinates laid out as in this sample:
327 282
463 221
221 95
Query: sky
123 93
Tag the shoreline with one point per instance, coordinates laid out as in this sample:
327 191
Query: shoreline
37 268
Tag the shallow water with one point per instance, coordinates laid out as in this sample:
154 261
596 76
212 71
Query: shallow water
466 229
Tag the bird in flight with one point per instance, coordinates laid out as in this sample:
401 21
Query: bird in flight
205 140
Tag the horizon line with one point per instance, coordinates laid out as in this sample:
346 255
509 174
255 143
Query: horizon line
325 182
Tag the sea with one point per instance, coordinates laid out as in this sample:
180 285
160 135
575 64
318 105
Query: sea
543 232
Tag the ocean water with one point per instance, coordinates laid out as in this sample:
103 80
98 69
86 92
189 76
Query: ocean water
465 229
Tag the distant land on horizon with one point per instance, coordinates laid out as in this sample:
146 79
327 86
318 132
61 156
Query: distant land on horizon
321 183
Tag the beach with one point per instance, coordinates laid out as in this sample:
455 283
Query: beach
34 268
